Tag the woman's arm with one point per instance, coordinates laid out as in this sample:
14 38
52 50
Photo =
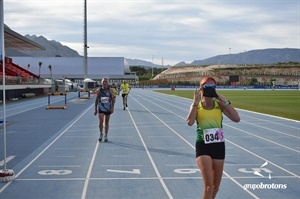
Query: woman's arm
191 117
228 109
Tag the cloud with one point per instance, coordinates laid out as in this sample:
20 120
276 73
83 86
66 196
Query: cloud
166 29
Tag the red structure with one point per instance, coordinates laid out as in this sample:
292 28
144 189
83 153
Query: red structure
12 69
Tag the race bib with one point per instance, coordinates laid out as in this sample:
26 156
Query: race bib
214 135
104 100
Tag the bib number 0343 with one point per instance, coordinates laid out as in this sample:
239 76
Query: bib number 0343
214 135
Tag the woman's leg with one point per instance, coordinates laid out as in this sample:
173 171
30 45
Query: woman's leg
218 166
205 164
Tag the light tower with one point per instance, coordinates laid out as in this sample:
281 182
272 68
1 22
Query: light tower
85 46
5 174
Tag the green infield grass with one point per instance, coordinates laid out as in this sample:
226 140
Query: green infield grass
283 103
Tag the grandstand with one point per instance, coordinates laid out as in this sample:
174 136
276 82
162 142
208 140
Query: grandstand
115 68
28 74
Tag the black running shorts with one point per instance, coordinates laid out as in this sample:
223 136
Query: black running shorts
104 112
214 150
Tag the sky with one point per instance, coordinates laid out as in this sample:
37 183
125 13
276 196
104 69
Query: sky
164 32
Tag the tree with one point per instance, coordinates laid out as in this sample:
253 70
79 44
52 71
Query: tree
40 65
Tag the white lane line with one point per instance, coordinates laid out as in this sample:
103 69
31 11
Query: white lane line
9 158
88 175
59 166
46 148
281 145
274 122
265 147
150 157
228 164
134 171
279 132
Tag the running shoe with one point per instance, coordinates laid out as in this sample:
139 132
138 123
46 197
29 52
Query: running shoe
124 108
100 138
105 139
126 105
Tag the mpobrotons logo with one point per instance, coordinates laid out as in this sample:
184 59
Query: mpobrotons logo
265 186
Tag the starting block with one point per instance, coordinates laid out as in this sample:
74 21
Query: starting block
84 97
57 107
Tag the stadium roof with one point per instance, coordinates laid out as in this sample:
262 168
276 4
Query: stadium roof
13 40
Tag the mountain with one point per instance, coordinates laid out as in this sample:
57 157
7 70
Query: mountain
263 56
146 64
53 49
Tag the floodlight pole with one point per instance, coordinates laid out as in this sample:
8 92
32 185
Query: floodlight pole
5 174
3 82
85 41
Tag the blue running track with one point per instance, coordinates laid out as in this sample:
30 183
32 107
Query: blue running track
150 153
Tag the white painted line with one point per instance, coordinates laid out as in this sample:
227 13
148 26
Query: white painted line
122 165
265 147
276 143
134 171
280 132
88 175
228 164
9 158
58 166
10 132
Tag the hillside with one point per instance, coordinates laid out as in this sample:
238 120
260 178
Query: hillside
283 74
